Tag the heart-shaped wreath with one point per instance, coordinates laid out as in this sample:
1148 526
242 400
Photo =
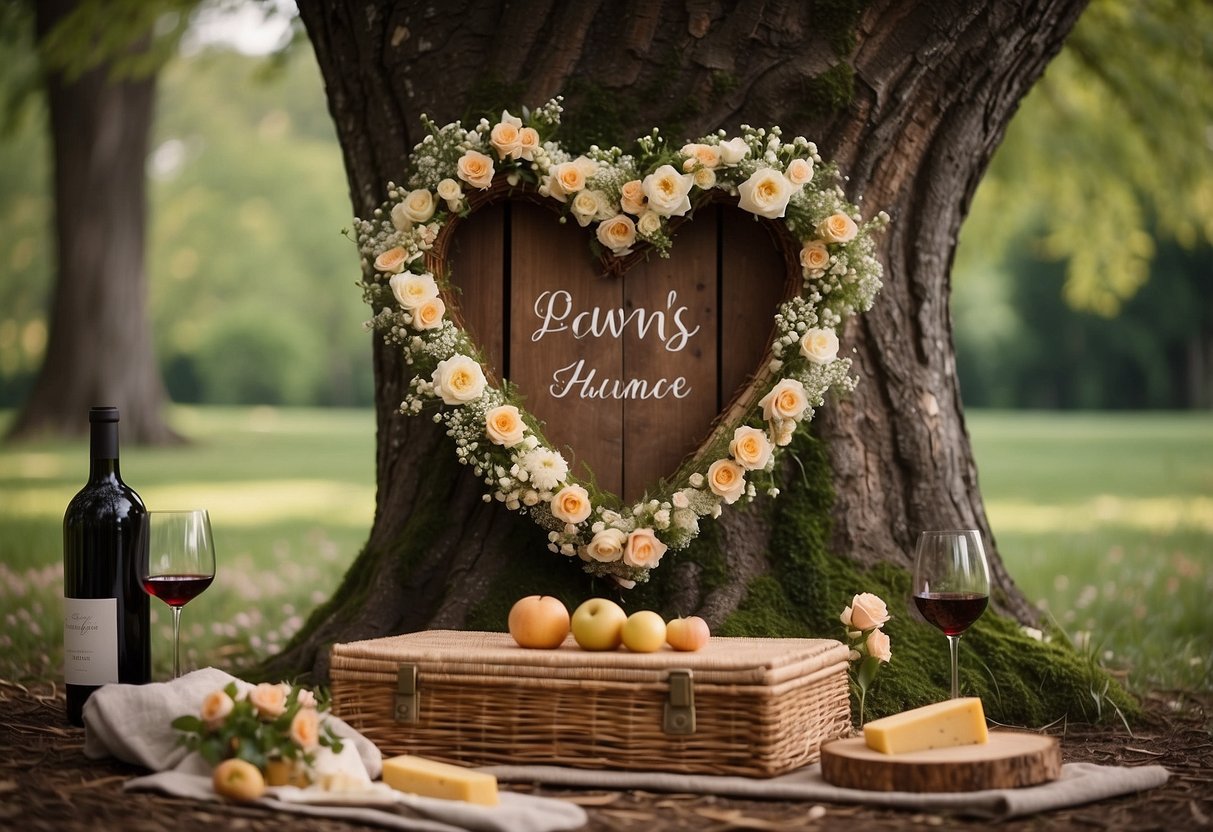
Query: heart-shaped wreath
629 199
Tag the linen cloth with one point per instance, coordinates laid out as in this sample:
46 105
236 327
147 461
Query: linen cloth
1079 783
133 723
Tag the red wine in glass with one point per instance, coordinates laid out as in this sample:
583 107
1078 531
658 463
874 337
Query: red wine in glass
176 590
951 612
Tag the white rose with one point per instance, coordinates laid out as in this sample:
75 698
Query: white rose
449 190
606 546
733 151
419 205
705 179
799 172
400 217
571 504
476 169
751 448
618 233
412 290
588 206
643 549
429 314
458 380
820 346
504 426
837 228
648 224
765 193
726 479
667 191
786 401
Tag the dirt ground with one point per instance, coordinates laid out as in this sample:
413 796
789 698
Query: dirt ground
46 783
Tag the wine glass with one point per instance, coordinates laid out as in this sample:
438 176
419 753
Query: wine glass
951 584
178 563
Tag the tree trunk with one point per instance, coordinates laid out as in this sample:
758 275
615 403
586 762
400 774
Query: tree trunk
910 98
99 350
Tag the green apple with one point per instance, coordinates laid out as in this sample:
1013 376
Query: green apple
598 624
644 632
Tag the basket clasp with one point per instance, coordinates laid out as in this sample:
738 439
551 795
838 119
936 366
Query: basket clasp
408 698
680 707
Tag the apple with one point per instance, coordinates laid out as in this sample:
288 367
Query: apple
539 621
687 634
598 624
238 780
644 632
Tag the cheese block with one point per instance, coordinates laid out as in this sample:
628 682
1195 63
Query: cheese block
430 778
942 725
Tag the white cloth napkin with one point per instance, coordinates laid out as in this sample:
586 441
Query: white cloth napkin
133 723
1079 783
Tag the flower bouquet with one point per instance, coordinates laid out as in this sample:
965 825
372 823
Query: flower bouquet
275 727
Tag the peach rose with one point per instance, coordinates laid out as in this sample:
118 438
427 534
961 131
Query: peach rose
419 205
391 261
618 233
879 646
643 549
765 193
837 228
506 136
305 729
631 197
726 479
476 169
566 179
429 314
700 155
668 191
820 346
705 178
528 143
606 546
571 504
215 708
787 400
504 426
814 256
733 151
799 172
750 448
458 379
866 612
269 700
412 290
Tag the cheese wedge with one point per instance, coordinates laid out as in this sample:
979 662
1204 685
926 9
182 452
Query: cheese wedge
430 778
942 725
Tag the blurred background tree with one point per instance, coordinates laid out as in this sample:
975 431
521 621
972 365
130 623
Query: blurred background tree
1084 277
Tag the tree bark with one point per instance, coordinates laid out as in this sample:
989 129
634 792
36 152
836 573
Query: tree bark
910 98
99 350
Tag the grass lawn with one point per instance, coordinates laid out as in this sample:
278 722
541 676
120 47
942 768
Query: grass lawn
1106 520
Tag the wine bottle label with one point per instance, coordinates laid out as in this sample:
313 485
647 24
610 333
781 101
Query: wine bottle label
90 641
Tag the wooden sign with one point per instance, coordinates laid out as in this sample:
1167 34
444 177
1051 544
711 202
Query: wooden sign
627 371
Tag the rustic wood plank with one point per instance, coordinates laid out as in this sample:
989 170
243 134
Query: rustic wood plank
548 258
660 432
476 261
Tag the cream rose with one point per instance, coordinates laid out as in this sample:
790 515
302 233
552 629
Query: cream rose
733 151
429 314
449 190
458 380
419 205
305 729
814 256
700 155
631 197
866 612
643 549
400 217
269 700
705 178
648 224
837 228
588 206
799 172
412 290
476 169
571 504
783 430
668 191
606 546
528 143
750 448
618 233
391 261
786 401
879 646
820 346
726 479
215 708
506 136
765 193
504 426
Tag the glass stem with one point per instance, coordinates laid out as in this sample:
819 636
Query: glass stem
953 647
176 642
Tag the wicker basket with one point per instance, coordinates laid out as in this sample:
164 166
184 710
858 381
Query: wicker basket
757 707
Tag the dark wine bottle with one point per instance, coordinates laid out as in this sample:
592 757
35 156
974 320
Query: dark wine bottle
106 632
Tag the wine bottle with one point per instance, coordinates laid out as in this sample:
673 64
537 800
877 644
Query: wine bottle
106 631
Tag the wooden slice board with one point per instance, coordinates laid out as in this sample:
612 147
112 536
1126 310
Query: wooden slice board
1009 760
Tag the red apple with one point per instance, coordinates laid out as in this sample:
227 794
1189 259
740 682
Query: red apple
238 780
539 621
598 624
644 632
687 634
